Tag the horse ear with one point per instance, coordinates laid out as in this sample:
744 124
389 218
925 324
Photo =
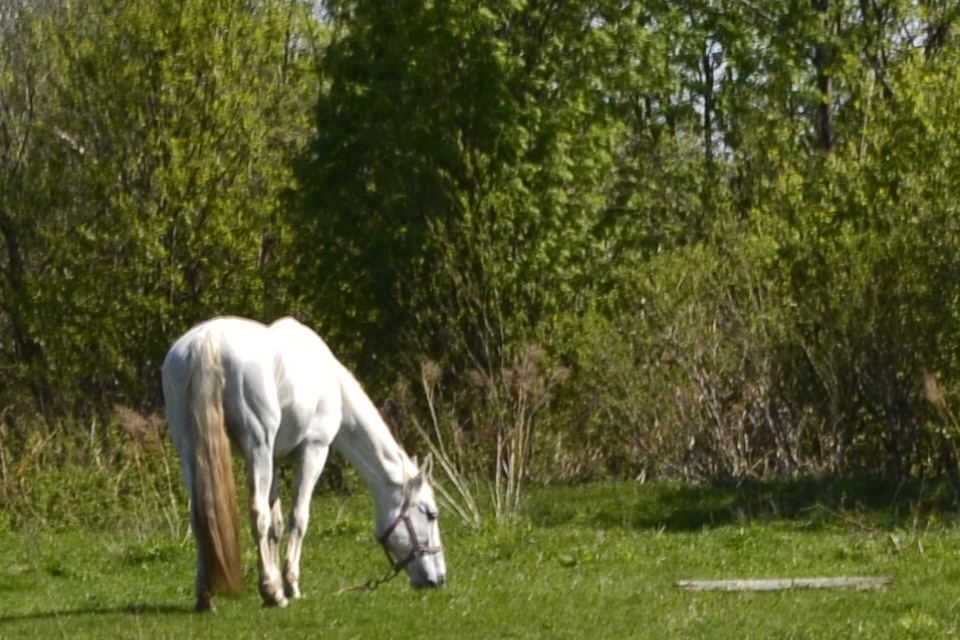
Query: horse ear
427 469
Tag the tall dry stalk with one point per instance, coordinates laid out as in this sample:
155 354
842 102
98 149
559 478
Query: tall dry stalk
148 439
501 408
516 395
465 504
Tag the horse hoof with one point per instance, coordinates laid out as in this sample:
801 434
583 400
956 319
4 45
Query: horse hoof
279 603
205 606
292 592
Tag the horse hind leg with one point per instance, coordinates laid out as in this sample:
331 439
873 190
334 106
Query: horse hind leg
202 584
179 419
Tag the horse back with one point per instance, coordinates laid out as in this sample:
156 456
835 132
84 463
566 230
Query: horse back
284 375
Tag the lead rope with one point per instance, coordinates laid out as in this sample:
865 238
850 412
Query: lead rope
396 567
373 583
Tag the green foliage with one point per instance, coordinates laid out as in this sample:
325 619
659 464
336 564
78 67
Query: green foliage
727 230
474 224
686 382
144 168
870 250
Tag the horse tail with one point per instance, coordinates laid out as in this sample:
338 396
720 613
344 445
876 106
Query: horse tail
214 491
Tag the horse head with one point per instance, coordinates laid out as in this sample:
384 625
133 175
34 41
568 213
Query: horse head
412 539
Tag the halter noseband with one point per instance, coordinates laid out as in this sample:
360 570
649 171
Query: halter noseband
419 549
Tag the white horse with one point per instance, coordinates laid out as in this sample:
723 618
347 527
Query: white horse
278 393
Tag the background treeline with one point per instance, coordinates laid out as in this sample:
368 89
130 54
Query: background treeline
558 239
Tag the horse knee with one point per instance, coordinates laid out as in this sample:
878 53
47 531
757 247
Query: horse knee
261 519
276 525
297 526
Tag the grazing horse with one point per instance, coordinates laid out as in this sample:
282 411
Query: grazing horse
278 393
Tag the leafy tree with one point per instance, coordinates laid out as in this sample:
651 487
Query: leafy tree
148 183
453 191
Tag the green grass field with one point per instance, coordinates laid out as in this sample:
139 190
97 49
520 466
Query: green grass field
591 561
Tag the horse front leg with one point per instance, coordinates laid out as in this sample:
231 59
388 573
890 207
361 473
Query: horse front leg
276 521
311 465
262 523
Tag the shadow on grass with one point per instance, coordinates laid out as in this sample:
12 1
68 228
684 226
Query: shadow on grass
134 609
866 502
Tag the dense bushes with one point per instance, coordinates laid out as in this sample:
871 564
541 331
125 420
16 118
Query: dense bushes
143 155
700 239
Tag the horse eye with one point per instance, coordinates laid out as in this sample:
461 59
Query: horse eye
430 513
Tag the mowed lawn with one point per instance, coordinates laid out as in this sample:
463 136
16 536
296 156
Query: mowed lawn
591 561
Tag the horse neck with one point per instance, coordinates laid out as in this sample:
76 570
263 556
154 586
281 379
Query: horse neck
366 442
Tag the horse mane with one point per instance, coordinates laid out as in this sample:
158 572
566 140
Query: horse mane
359 409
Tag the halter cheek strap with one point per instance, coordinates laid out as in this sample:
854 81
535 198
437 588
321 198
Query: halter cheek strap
419 549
